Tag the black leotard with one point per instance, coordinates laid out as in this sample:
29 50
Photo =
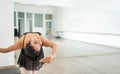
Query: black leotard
28 59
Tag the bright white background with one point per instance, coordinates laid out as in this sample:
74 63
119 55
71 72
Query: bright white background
93 25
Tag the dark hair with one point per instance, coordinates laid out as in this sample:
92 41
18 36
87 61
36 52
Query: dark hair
29 50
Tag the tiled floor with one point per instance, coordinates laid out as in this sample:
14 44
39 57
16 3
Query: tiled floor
76 57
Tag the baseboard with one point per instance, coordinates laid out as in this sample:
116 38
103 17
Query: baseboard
93 43
8 67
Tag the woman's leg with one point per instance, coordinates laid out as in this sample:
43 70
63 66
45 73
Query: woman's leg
33 71
24 71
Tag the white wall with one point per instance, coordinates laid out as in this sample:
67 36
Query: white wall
87 20
89 25
6 31
34 9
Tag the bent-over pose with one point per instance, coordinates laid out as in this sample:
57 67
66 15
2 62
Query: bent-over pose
32 56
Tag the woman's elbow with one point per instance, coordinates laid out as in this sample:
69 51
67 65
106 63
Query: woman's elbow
54 45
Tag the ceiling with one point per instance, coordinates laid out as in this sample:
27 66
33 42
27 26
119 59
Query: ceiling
92 4
65 3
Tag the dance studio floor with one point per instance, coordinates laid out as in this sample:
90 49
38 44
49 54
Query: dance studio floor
76 57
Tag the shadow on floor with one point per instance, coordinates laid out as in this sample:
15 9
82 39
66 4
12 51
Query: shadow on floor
10 71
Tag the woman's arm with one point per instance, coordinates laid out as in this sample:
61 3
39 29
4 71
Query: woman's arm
13 47
51 44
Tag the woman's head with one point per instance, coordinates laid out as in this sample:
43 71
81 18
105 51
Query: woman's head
32 48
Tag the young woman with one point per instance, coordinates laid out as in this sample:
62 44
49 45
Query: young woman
32 56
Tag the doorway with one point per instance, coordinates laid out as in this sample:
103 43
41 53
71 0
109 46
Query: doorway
48 29
28 25
21 27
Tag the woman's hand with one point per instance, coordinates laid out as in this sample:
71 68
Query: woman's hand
48 59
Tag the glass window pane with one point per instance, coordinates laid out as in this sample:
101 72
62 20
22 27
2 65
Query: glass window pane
20 14
29 15
38 20
14 19
48 16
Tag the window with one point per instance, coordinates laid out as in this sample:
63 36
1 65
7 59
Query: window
38 20
20 14
14 19
48 16
29 15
